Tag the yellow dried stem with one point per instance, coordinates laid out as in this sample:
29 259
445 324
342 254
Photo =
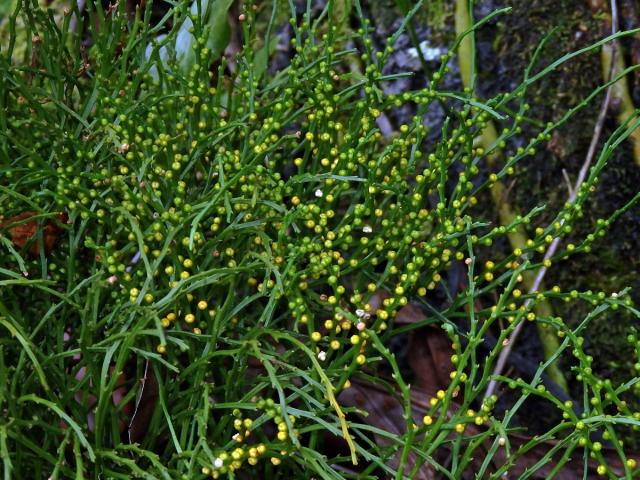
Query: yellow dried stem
620 96
621 101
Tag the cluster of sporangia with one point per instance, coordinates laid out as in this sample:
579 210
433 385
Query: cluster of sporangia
319 215
247 451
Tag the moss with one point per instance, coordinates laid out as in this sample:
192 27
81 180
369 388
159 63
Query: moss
436 14
612 266
438 11
500 69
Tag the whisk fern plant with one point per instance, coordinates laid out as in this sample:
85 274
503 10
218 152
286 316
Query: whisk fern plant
202 257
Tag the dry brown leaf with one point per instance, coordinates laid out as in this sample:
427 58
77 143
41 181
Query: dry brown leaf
145 406
385 413
409 314
429 357
24 231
